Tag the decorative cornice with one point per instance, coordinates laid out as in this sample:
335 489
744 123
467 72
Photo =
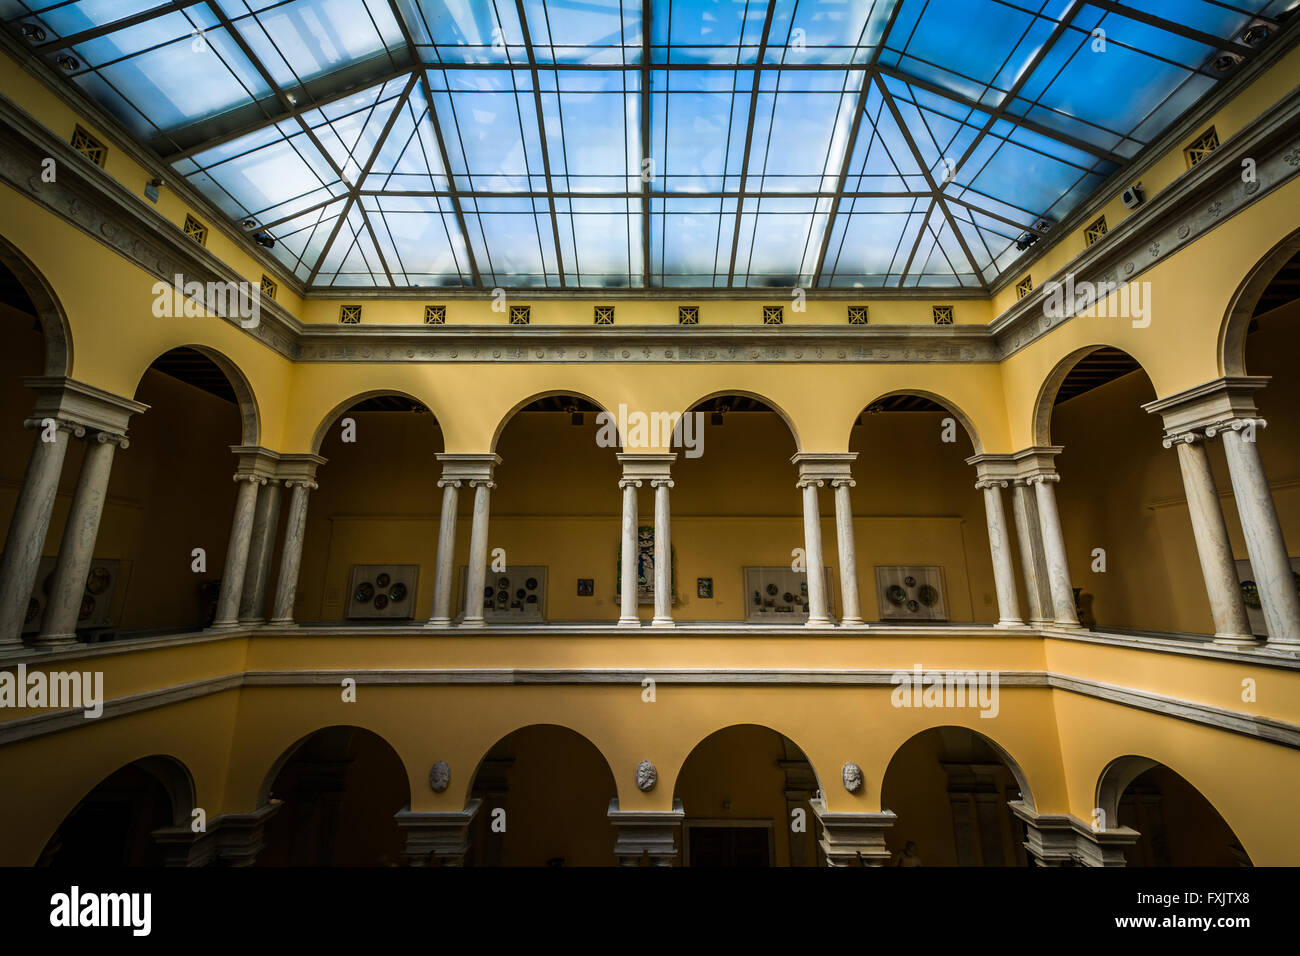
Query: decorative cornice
823 467
467 467
82 406
646 344
1192 410
86 197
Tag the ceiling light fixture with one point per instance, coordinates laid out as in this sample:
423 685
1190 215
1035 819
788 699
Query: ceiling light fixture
34 33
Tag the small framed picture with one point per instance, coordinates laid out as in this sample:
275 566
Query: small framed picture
704 587
586 587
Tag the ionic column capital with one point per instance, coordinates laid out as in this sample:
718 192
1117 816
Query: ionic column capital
73 428
985 483
487 483
661 483
629 483
1185 437
843 483
306 483
1041 479
810 483
1234 424
114 438
449 482
249 477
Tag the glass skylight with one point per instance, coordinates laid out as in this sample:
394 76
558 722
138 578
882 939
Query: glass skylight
632 144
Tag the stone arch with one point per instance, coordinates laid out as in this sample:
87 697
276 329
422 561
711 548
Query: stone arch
757 396
49 310
505 419
1045 402
746 724
249 410
318 437
171 775
1241 306
948 404
478 765
268 780
1017 772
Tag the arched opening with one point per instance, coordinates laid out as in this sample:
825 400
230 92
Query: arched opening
339 790
112 826
546 792
26 295
950 788
1178 825
736 516
919 527
374 520
556 510
1130 547
746 792
1272 348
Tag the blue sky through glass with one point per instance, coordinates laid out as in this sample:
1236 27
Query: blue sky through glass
622 144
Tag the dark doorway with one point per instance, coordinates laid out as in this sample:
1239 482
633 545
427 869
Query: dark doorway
729 846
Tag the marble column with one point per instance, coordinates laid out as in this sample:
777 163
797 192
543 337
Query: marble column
1058 568
1004 575
1033 563
1231 626
241 534
77 549
295 527
852 604
30 524
261 551
663 555
446 552
476 574
627 616
818 615
1269 562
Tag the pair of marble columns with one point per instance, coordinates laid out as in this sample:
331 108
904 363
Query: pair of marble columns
1225 409
817 471
260 477
64 409
475 471
1032 477
655 470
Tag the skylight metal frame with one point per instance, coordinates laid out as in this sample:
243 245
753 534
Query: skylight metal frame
280 107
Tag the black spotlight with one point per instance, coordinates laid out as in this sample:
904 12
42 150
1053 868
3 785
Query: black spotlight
249 223
67 63
262 239
1255 35
33 32
1026 240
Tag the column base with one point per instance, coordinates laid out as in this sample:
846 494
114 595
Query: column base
54 640
252 622
662 622
819 622
1286 645
629 622
472 622
852 622
1009 624
438 622
282 622
1238 640
12 645
223 625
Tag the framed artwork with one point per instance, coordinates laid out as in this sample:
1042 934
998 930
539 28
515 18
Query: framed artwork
645 567
384 591
704 587
911 593
516 594
780 595
1250 595
101 584
586 587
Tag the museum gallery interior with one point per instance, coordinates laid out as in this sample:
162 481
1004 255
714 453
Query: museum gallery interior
696 433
